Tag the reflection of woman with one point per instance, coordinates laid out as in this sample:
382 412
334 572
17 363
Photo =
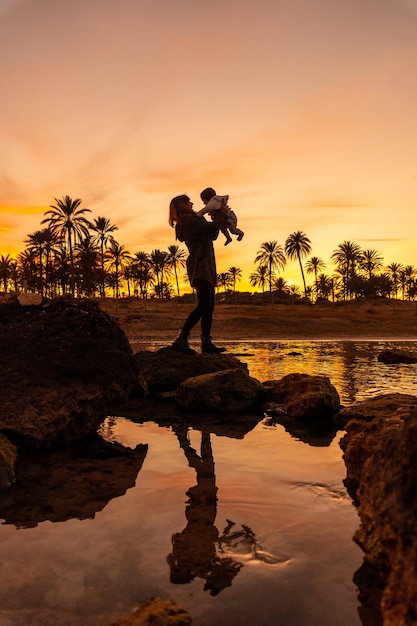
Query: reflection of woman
194 549
198 235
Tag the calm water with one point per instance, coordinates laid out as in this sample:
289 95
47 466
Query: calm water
246 531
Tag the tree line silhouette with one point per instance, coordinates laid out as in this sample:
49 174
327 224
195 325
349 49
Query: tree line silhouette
81 257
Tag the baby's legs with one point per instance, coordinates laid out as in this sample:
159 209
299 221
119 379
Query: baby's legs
222 219
236 231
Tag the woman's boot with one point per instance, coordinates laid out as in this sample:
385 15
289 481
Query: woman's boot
208 346
181 343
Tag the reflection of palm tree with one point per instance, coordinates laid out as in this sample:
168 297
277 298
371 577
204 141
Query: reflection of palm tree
272 255
194 549
297 246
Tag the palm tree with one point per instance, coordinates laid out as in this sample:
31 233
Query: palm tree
369 261
235 274
14 275
281 287
5 270
158 260
103 230
61 270
346 257
271 255
259 277
87 256
36 243
313 266
298 245
324 286
225 280
116 257
28 267
176 258
294 292
394 270
67 220
409 273
142 271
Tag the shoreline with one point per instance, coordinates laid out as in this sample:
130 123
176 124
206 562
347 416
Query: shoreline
351 321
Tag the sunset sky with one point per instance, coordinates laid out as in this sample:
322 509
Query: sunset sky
303 111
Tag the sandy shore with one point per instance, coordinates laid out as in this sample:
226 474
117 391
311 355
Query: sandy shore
160 320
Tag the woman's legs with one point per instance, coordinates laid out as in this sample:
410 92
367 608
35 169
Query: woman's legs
203 310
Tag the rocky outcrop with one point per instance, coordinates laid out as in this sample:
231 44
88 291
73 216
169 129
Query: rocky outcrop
396 356
156 612
380 453
303 397
63 364
228 391
165 369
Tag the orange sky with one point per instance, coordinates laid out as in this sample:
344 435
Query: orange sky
303 112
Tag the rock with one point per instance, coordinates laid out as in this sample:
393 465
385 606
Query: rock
227 391
385 405
29 299
381 462
63 364
8 458
303 397
166 368
396 356
156 612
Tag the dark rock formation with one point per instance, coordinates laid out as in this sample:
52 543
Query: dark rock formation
63 364
396 356
303 397
385 405
166 368
230 390
381 460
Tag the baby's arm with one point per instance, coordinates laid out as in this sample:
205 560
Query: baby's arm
212 205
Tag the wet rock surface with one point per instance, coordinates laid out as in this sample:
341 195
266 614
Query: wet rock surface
396 356
63 364
165 369
229 390
303 397
380 453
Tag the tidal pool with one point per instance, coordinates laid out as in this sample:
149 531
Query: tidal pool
239 531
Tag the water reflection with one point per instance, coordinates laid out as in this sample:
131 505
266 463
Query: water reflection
352 366
77 483
194 549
